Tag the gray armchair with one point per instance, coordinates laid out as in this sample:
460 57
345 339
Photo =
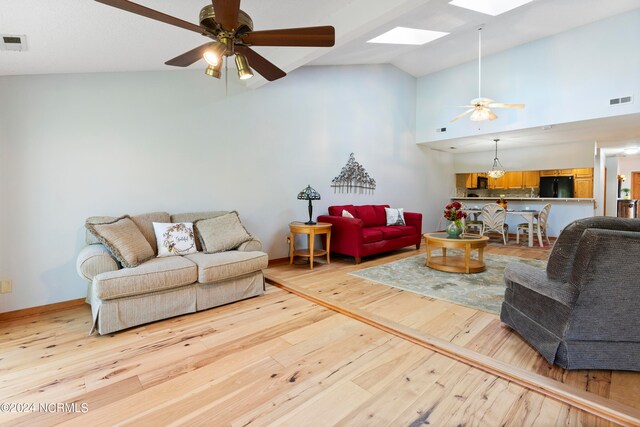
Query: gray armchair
583 312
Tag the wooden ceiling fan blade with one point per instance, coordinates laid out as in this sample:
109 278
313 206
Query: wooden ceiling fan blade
189 57
463 114
260 64
153 14
324 36
499 105
226 12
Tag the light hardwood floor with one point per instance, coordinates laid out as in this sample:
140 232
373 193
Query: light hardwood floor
280 359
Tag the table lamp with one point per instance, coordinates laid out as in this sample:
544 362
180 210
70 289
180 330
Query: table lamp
309 194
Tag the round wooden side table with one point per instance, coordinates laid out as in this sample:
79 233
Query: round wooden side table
298 227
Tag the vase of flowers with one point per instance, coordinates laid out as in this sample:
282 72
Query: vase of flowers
453 212
502 201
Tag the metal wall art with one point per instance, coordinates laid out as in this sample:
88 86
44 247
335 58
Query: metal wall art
353 178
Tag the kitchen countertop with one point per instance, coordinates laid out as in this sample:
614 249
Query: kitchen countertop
526 199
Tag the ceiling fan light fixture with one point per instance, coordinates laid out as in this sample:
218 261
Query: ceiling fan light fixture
244 71
214 70
482 114
213 54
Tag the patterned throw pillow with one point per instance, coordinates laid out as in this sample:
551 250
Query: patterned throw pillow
395 216
174 238
346 214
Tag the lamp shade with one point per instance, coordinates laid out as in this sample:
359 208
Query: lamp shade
308 194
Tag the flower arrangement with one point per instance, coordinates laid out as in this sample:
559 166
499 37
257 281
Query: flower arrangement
502 202
453 212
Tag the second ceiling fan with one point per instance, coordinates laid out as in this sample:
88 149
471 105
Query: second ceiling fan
480 108
231 31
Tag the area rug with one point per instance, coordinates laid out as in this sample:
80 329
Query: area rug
483 291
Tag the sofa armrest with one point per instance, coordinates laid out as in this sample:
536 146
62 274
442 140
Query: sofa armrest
250 246
93 260
414 219
344 231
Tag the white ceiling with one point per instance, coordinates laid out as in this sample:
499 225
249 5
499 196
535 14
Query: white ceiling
614 132
79 36
73 36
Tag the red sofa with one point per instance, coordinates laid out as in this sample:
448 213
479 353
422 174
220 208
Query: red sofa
367 233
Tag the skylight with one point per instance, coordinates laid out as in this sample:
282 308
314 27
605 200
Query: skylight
489 7
403 35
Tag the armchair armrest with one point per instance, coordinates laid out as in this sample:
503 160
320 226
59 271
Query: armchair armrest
414 219
93 260
537 281
250 246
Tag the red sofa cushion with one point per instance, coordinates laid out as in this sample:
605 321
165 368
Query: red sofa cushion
337 210
371 235
406 230
381 215
388 232
368 215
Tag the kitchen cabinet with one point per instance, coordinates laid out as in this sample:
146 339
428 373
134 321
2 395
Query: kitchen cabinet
565 172
583 188
550 172
498 183
513 180
472 180
583 173
531 179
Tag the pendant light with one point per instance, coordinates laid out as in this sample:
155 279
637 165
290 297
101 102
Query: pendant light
497 170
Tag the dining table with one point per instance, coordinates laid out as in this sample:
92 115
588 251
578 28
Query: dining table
528 214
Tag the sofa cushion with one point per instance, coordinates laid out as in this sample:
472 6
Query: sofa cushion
381 215
395 216
124 239
371 235
145 224
389 232
368 215
337 210
221 233
226 265
154 275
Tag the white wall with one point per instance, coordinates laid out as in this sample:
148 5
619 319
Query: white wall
564 78
557 156
611 164
109 144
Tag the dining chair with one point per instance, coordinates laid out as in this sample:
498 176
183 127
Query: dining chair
539 227
472 224
493 219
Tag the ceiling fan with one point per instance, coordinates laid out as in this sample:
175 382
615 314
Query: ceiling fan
231 30
480 108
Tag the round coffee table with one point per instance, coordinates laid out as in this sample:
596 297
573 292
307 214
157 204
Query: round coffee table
456 264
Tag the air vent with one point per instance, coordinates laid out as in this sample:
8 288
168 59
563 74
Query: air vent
13 42
621 100
438 130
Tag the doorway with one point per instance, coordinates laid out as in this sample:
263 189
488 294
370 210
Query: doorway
635 185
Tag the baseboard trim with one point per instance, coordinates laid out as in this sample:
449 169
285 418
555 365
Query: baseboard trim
278 261
588 402
41 309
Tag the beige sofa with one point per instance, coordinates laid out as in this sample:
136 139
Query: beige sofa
169 286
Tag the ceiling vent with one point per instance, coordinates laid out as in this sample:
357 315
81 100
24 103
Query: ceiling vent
13 42
621 100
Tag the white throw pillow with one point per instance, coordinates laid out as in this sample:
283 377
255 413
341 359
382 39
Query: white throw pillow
346 214
395 216
174 238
